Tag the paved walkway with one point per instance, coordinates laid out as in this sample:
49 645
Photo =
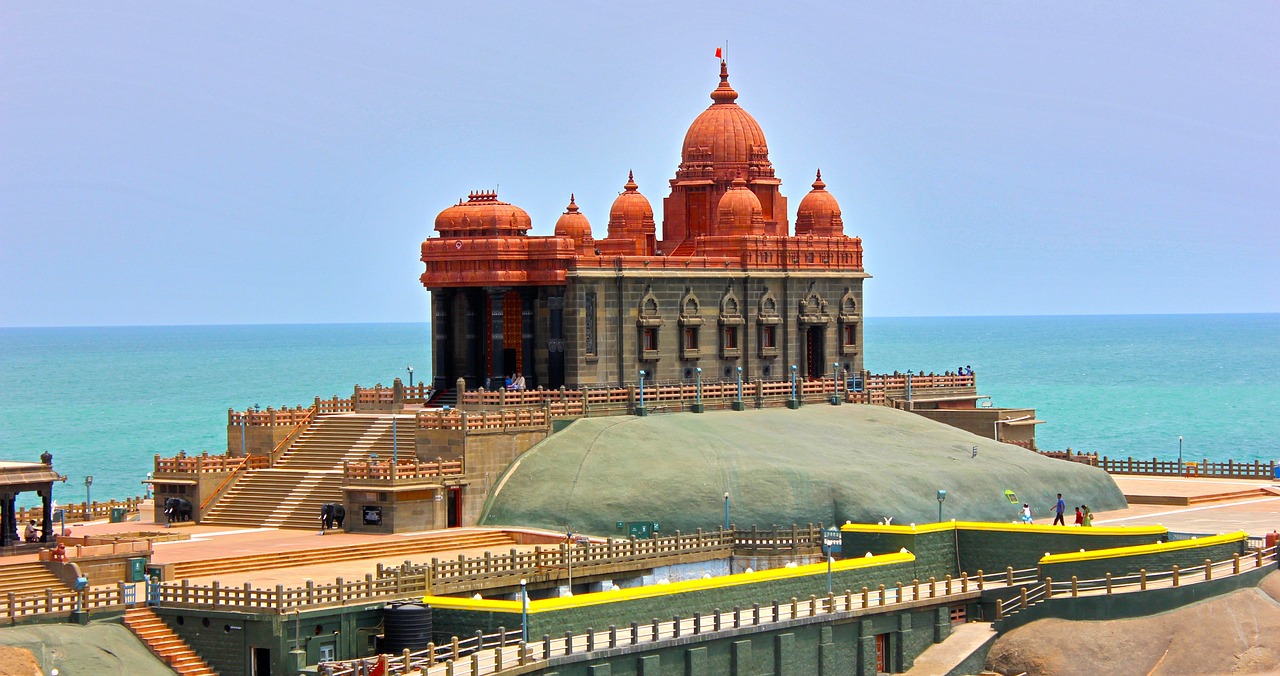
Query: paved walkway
941 658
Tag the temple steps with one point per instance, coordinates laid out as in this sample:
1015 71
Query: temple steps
309 472
164 643
398 547
27 578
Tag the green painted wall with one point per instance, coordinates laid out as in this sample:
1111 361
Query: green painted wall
992 551
1130 565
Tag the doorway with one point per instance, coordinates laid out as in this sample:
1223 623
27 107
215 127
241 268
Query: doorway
455 507
815 361
261 662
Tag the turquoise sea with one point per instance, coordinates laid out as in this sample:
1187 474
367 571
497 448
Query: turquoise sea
105 400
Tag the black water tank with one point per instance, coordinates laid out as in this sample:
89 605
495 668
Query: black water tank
405 625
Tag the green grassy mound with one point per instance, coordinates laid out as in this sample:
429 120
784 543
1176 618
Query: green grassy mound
818 464
99 648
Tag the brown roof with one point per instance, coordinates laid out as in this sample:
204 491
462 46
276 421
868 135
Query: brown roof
25 473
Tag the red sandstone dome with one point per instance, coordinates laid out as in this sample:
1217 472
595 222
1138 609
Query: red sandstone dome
725 133
819 213
631 213
739 212
573 223
482 215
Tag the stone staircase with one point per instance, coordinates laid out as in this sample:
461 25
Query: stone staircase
400 547
27 578
309 472
166 645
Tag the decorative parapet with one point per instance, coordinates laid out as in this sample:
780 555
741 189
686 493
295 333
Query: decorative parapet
484 421
271 417
205 463
384 473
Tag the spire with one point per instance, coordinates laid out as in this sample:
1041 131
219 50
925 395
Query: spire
631 182
724 93
818 184
573 207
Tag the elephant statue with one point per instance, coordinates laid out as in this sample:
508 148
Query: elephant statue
177 509
332 514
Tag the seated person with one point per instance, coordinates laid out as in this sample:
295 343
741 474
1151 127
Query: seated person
30 535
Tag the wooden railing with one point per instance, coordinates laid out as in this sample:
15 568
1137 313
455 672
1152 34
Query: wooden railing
200 464
15 606
334 405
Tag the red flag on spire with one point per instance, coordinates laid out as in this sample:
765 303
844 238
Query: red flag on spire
719 54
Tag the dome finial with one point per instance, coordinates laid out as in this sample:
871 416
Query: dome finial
573 206
724 93
631 182
817 183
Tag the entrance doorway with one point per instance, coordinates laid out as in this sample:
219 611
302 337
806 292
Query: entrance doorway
455 507
882 653
815 361
261 662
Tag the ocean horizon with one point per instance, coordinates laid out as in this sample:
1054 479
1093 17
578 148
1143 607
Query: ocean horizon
105 400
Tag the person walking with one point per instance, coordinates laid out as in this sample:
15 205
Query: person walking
1026 513
1079 517
1088 516
1058 510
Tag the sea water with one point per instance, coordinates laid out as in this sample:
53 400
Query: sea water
104 401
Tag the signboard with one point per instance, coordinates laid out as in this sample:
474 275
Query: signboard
1011 497
831 541
372 515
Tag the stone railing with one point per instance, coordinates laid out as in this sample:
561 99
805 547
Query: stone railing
77 512
477 421
383 471
333 405
1229 469
200 464
270 417
15 607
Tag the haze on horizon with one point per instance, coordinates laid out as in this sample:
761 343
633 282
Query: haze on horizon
244 163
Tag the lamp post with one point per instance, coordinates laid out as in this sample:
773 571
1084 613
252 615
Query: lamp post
394 457
942 495
148 486
640 409
829 562
524 610
410 370
697 403
88 504
726 511
835 376
737 404
1181 467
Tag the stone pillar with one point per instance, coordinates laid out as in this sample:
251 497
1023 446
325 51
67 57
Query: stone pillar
497 372
473 311
46 524
866 649
901 660
556 342
8 521
528 370
442 328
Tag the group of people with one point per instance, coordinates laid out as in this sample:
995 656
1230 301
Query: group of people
1084 517
515 381
965 370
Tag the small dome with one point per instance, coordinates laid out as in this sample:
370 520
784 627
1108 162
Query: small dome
482 215
739 211
724 133
631 213
819 213
574 224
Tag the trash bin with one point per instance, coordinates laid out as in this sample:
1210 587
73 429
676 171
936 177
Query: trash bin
119 514
137 570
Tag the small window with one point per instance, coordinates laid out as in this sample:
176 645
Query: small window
650 339
768 336
730 337
691 338
850 334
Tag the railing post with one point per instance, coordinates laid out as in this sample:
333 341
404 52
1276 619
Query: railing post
1142 579
431 654
866 598
1108 583
1235 564
964 582
1022 597
591 640
635 633
980 581
1075 589
1208 569
1175 574
882 595
613 636
1048 587
1009 575
947 586
933 587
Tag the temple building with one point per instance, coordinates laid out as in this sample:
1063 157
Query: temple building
728 289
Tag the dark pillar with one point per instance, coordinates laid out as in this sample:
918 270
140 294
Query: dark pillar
497 368
442 370
473 302
46 523
8 534
530 372
555 341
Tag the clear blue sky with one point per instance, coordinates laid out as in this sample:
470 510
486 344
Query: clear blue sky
209 163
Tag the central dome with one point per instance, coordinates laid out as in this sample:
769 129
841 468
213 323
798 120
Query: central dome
724 133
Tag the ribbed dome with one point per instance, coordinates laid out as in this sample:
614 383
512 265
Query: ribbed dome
574 224
724 133
739 212
819 213
482 215
631 213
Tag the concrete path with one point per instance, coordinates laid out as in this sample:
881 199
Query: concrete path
940 658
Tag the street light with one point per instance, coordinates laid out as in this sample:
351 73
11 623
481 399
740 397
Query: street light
410 370
942 495
726 511
1181 467
829 562
524 610
88 504
738 405
697 405
640 410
